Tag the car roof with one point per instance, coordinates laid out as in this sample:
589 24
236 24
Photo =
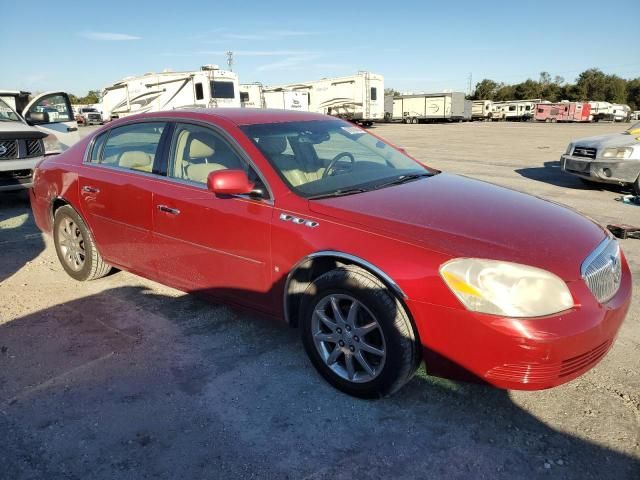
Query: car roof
241 116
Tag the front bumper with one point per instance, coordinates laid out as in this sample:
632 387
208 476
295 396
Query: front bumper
17 174
599 170
521 354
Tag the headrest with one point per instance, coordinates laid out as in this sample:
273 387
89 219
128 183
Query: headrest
273 145
200 149
134 159
198 172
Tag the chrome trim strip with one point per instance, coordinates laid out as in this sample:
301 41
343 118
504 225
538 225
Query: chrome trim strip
352 258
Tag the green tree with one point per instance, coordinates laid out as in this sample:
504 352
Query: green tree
633 93
485 90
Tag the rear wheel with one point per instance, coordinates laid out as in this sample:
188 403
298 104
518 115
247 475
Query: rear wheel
636 186
75 246
357 334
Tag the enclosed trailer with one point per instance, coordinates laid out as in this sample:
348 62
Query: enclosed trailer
208 87
563 112
515 110
359 97
431 107
482 110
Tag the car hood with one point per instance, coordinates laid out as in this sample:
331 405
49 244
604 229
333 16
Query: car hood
16 127
461 217
605 141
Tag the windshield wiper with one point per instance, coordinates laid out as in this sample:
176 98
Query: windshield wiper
338 193
404 179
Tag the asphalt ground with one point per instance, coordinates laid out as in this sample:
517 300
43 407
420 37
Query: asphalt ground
125 378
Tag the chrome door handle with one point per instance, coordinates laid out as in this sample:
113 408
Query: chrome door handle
90 189
165 209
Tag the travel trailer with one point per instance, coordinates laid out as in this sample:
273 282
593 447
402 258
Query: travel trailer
563 112
208 87
431 107
481 110
515 110
609 112
255 95
358 98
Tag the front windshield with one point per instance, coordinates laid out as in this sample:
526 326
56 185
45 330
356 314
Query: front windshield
324 157
7 114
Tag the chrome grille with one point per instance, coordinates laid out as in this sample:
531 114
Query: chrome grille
35 147
8 149
586 152
602 270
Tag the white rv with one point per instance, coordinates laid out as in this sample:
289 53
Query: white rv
519 110
359 97
255 95
482 110
609 112
431 107
208 87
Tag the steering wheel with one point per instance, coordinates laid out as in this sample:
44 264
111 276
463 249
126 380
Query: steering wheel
335 160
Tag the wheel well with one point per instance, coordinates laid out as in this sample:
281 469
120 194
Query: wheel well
56 204
311 268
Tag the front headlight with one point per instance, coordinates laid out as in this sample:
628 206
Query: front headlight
618 152
569 149
52 145
504 288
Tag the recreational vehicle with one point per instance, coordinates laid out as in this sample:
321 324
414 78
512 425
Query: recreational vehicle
255 95
481 110
431 107
609 112
358 98
152 92
563 112
514 110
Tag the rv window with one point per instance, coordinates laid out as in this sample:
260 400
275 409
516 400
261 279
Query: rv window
199 91
541 110
244 96
221 89
374 93
527 108
512 108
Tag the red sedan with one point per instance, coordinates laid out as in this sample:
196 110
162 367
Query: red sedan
380 261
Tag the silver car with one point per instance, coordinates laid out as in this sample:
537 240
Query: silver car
613 158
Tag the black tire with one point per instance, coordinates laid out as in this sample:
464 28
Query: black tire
403 354
636 186
93 266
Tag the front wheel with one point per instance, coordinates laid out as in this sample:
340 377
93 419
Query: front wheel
75 246
357 334
636 186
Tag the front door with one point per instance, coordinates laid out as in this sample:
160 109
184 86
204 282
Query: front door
115 185
212 245
54 117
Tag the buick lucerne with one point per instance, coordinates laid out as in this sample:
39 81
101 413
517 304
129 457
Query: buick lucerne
380 261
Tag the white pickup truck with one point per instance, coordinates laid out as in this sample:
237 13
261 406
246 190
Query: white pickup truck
613 158
45 127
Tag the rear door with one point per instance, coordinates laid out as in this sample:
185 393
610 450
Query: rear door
54 117
218 246
115 184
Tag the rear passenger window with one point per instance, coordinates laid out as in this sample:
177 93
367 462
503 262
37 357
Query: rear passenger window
133 146
96 149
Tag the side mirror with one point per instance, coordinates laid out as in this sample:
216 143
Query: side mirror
229 182
37 118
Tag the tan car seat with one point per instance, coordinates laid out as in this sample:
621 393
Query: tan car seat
136 160
274 147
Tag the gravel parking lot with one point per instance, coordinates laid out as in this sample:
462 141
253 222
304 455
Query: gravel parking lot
124 378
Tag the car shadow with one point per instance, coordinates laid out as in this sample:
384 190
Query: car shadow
20 239
551 173
131 383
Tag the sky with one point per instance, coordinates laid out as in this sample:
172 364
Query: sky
417 45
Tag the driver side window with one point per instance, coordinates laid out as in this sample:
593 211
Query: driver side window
56 107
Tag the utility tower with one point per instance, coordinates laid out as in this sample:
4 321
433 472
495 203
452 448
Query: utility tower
230 60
